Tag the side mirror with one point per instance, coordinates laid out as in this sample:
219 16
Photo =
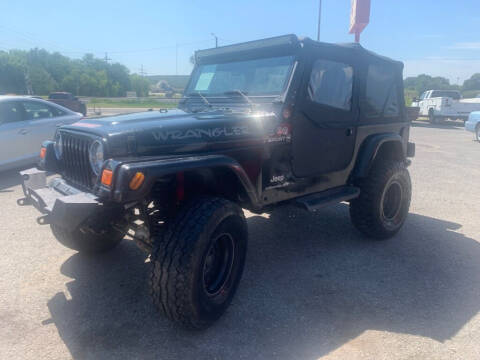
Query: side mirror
415 99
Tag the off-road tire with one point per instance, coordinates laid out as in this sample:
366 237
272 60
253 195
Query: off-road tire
368 210
431 117
177 279
87 241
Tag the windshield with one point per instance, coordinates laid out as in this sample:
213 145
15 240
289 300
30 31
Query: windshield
267 76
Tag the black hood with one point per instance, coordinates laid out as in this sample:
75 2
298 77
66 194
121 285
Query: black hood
177 131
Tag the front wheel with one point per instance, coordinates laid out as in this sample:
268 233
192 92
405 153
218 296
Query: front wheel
477 133
198 263
382 207
431 117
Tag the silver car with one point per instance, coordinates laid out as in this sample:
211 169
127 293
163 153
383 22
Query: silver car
25 123
473 124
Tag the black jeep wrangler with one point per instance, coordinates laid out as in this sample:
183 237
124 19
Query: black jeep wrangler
262 124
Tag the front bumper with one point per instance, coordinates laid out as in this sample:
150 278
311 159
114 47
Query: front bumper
60 203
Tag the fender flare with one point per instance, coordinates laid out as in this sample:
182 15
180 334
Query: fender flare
369 150
156 168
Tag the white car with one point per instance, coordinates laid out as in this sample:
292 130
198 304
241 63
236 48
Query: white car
25 123
473 124
445 104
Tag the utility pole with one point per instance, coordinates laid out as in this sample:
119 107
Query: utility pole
106 58
142 73
216 39
319 18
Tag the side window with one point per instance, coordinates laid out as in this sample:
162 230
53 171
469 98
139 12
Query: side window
381 93
37 110
56 111
331 84
10 111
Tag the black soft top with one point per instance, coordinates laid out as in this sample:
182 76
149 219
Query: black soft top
288 44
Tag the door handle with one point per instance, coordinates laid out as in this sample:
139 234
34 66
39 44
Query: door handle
349 132
23 131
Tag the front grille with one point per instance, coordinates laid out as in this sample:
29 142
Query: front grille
77 169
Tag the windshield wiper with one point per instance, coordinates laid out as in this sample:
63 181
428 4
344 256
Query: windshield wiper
242 94
199 94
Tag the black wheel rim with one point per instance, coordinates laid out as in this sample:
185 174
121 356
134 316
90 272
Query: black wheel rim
218 264
392 202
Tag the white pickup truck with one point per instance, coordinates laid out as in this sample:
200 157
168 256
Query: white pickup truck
445 104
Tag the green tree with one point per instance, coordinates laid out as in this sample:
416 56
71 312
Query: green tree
473 83
42 82
140 85
425 82
12 74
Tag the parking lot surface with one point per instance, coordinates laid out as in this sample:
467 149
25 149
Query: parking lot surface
312 286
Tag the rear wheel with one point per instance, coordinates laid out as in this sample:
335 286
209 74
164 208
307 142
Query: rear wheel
477 133
198 263
382 207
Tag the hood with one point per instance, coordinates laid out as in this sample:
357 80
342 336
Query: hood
176 131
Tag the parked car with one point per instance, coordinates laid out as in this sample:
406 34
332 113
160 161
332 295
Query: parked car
262 124
25 123
69 101
473 124
445 104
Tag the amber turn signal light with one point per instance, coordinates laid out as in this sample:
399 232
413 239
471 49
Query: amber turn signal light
107 177
137 181
43 153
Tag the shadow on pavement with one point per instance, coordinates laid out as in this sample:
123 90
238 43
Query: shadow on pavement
8 179
311 284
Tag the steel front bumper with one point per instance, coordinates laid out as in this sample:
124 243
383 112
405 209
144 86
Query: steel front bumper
60 203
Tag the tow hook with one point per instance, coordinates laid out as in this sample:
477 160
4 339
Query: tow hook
24 202
43 220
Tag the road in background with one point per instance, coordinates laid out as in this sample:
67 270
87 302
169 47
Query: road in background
91 112
312 286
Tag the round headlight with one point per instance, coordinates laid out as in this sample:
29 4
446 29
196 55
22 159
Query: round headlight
96 156
58 147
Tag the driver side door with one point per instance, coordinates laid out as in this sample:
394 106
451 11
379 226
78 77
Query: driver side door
324 132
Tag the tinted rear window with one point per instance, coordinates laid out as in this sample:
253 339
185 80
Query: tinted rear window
381 93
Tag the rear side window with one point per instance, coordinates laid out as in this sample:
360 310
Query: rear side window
331 84
381 93
10 111
37 110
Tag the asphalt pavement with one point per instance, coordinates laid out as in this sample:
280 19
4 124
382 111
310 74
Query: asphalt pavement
312 287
